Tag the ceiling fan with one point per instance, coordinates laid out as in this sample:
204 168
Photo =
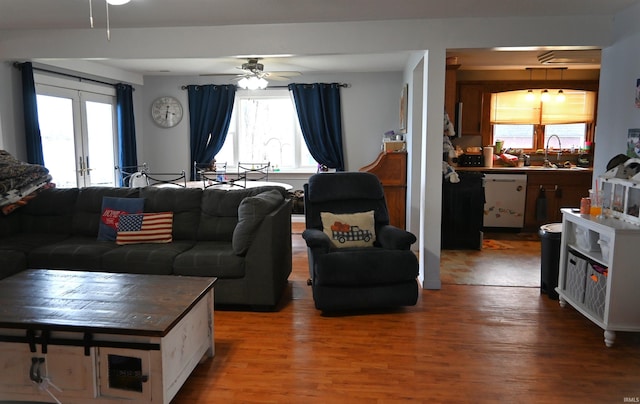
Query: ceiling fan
254 77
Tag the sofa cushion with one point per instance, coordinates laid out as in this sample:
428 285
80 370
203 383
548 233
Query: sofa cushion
251 212
183 202
367 266
144 258
26 242
51 212
145 228
76 252
219 215
111 209
349 229
210 258
88 209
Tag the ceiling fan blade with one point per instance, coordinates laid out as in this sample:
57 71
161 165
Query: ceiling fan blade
221 75
284 74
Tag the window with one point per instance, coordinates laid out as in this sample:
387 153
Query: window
572 136
525 122
265 127
77 120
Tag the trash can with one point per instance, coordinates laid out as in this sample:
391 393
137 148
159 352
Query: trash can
550 235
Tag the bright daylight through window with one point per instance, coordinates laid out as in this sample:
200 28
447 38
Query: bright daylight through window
265 128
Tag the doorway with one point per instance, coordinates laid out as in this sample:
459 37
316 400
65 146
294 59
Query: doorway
77 126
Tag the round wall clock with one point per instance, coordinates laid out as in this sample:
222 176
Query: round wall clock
166 111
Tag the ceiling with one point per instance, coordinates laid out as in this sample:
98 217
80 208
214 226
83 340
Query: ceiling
74 14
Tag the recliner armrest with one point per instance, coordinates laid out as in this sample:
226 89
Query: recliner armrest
317 240
394 238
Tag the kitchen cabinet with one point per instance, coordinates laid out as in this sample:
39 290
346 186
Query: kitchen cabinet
598 273
450 91
462 212
550 190
471 97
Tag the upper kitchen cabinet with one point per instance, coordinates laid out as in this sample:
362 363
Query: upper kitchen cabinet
471 97
450 90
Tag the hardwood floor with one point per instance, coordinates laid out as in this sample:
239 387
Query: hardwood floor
460 344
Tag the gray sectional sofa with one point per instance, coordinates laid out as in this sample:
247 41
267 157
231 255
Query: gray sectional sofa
242 236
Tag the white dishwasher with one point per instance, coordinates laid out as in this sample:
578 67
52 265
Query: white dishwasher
505 196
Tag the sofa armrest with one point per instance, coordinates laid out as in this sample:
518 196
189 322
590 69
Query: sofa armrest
394 238
268 261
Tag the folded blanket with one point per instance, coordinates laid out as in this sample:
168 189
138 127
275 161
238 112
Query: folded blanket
16 174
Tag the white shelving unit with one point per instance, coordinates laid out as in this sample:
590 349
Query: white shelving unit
603 287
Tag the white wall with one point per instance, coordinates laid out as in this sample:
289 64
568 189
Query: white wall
11 118
617 112
369 105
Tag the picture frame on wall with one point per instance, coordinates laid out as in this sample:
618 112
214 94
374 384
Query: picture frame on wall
633 143
404 99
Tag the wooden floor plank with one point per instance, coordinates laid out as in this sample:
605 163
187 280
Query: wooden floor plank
462 344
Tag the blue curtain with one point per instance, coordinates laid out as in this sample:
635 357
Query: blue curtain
210 108
128 156
31 124
320 116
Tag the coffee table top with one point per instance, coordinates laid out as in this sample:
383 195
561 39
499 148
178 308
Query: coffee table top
98 302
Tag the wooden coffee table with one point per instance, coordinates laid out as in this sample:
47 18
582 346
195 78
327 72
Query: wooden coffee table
79 337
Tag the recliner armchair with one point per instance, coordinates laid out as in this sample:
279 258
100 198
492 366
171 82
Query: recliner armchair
382 275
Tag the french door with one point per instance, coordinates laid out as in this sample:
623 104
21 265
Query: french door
78 132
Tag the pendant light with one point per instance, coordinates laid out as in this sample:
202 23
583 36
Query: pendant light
530 97
544 96
560 97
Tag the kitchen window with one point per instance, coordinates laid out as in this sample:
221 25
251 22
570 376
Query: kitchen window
265 127
532 137
526 123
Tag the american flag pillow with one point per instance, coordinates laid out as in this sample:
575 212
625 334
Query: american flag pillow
145 228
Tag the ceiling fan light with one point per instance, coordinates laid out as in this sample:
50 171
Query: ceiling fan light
117 2
253 83
262 83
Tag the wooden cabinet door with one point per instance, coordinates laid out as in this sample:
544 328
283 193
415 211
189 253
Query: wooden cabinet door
66 367
559 190
471 97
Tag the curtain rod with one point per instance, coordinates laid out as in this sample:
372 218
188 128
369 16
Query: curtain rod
343 85
18 66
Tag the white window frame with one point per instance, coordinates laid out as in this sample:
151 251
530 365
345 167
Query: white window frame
299 142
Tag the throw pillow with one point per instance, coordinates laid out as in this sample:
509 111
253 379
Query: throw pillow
111 210
251 212
145 228
350 229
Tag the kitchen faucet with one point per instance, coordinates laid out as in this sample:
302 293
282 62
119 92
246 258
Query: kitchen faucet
547 163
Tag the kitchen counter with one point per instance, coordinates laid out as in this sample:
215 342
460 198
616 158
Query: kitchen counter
525 169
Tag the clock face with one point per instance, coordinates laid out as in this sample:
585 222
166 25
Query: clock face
166 112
